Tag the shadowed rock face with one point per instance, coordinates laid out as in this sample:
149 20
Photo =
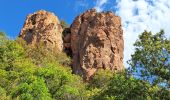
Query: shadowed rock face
43 27
96 41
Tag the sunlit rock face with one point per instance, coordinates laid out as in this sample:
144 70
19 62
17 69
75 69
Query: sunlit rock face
96 41
43 27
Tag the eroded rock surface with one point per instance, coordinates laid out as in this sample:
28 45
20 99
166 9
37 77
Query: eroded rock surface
43 26
96 41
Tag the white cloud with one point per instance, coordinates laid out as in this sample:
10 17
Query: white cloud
140 15
99 5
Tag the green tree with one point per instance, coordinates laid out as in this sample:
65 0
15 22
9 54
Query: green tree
107 85
62 84
151 58
40 54
101 78
40 74
2 35
64 24
10 52
98 83
34 88
17 79
3 95
121 87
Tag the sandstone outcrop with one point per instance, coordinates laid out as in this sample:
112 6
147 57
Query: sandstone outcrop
43 26
96 41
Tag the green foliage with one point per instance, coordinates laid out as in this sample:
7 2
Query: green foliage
39 54
101 78
25 76
10 52
62 84
36 88
2 35
3 95
64 24
121 87
34 73
150 59
99 83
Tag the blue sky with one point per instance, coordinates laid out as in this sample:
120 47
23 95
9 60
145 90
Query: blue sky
136 15
14 12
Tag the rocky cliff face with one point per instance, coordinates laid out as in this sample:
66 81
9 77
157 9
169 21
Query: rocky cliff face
43 27
96 41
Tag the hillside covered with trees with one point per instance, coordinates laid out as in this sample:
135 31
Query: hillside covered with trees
51 60
29 73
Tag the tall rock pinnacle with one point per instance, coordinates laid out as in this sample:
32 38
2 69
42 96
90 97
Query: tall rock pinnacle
43 27
96 43
94 40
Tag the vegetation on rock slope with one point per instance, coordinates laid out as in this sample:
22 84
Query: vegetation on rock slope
33 73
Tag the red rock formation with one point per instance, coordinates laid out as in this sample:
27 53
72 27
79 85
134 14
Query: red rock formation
96 42
44 27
